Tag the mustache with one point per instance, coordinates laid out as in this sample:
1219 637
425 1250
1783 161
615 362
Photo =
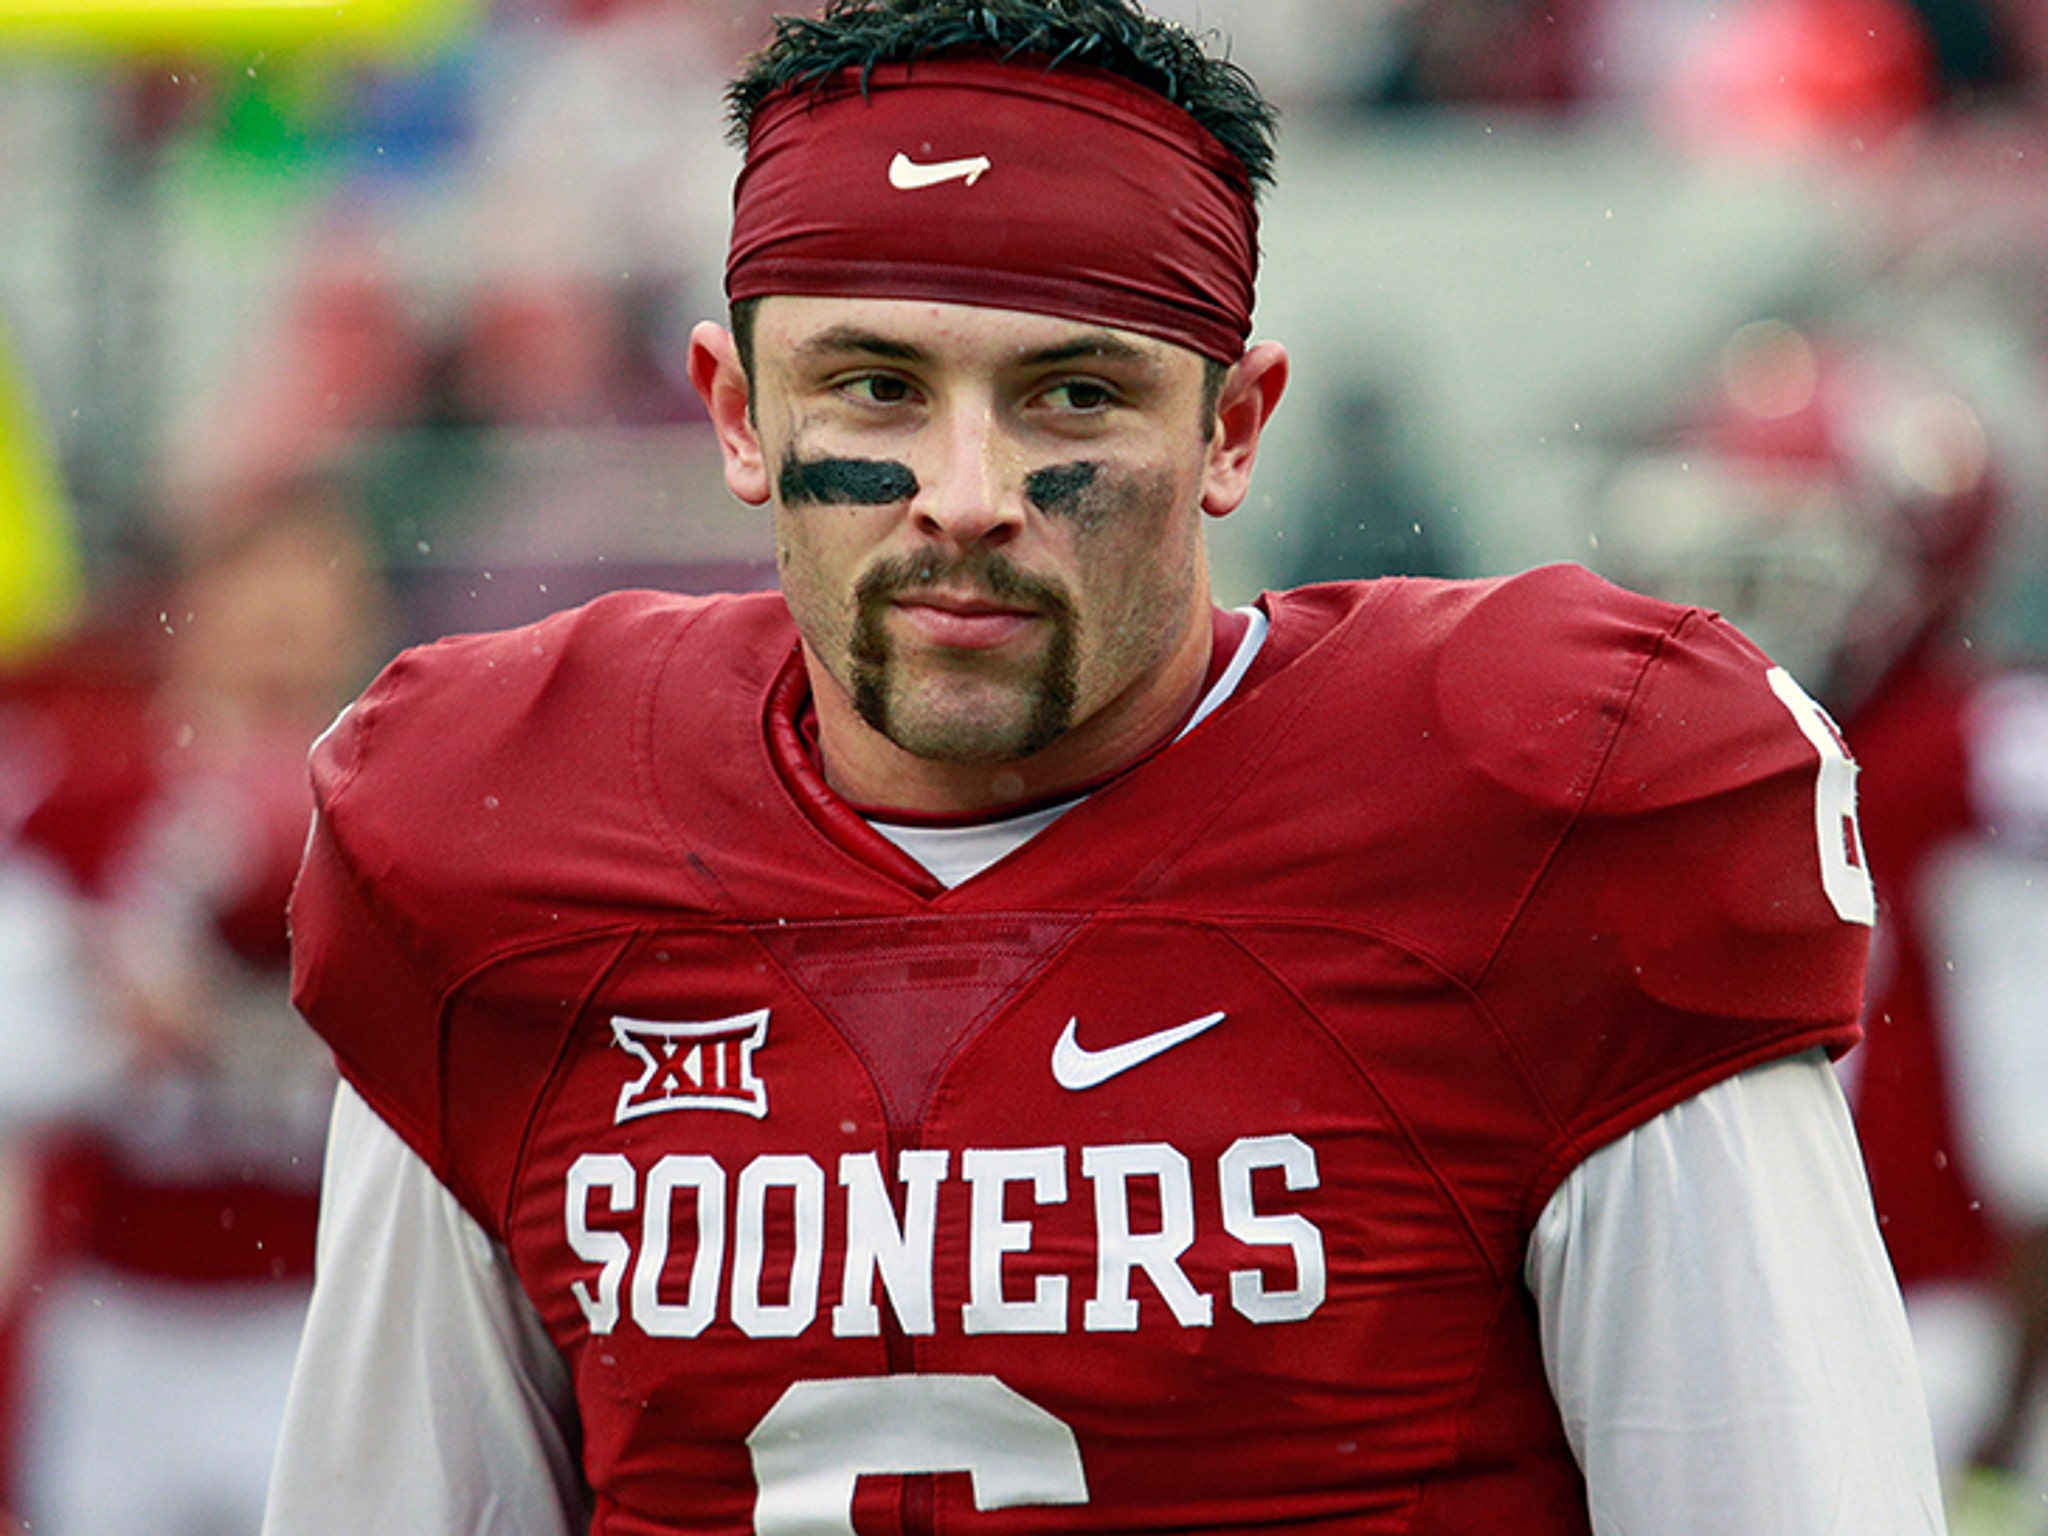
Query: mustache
990 574
987 572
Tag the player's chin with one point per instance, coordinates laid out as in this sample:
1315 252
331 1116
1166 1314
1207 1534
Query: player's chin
974 721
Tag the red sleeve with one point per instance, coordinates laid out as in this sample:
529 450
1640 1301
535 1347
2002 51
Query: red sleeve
430 795
1681 932
481 800
368 998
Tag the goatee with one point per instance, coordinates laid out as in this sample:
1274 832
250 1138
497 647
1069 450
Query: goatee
1053 691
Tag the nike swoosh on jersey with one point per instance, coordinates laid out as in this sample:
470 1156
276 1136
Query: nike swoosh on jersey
906 175
1075 1067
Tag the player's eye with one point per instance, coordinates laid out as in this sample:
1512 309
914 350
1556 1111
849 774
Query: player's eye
877 388
1086 395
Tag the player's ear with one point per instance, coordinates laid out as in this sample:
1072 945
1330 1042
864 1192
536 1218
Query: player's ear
715 370
1250 394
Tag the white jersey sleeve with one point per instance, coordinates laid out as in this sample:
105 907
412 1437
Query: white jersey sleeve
427 1398
1721 1327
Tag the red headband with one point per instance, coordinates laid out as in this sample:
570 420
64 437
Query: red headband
969 179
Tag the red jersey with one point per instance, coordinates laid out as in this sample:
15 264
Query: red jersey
1175 1172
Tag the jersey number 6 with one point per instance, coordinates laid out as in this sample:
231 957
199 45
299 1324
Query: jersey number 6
1843 873
823 1436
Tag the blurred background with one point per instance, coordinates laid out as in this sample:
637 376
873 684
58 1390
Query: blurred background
324 332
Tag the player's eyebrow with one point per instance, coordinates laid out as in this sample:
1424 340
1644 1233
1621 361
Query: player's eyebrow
857 341
1103 346
853 340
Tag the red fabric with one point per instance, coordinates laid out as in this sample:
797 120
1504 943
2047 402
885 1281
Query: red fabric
1100 201
79 729
210 1228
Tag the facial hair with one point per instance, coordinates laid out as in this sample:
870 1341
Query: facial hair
876 682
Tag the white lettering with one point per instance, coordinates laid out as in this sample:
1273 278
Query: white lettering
756 1318
1296 1160
687 1319
1146 1221
1119 1250
822 1437
991 1172
875 1244
1844 875
609 1250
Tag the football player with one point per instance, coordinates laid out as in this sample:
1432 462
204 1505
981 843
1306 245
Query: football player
981 1039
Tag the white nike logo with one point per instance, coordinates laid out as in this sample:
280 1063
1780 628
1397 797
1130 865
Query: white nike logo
906 175
1074 1067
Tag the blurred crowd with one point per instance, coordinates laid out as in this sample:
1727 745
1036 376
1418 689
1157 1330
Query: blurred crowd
452 396
166 1107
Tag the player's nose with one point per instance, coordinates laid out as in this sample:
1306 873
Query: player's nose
972 492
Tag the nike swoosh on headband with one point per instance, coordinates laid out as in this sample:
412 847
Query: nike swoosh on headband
1075 1067
907 175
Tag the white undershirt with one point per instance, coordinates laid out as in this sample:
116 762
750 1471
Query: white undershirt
1725 1342
954 855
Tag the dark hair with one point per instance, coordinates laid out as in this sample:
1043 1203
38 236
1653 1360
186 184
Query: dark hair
1112 35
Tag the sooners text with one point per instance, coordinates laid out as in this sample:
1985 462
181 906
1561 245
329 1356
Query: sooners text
671 1292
